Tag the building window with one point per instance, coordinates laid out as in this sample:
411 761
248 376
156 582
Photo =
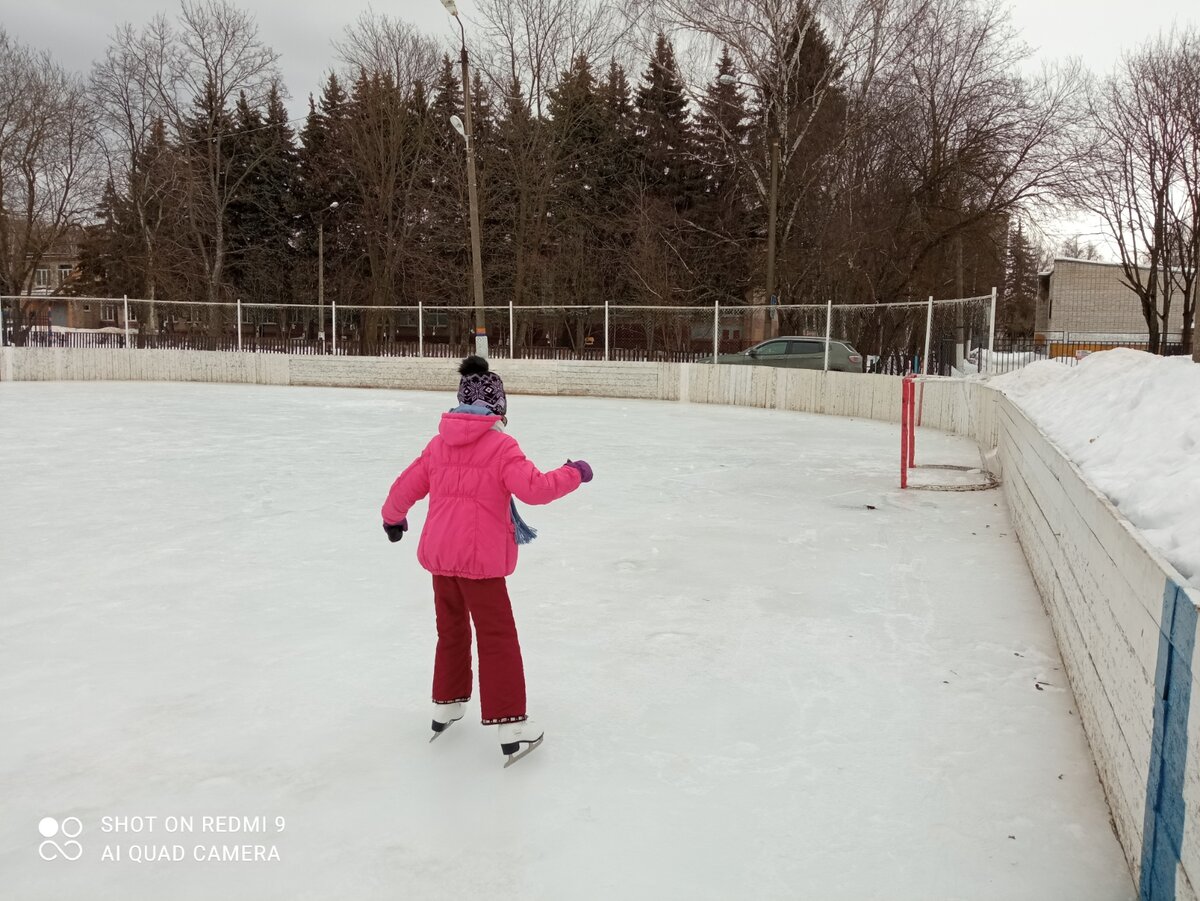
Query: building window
108 312
64 274
41 278
87 308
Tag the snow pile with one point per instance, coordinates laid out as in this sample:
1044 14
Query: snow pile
1131 422
1001 361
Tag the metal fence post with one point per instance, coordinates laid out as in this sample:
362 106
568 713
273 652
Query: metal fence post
828 329
992 331
512 333
2 341
125 299
606 331
420 329
928 336
239 316
335 340
716 328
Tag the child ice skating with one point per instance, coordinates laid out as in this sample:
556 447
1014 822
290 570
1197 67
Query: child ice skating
471 471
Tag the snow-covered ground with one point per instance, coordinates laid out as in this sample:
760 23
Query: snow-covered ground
764 671
1130 421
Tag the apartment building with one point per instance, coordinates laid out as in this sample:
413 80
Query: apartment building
1083 300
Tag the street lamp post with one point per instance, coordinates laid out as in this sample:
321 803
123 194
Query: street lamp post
321 273
481 341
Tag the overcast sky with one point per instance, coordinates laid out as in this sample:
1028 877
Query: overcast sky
77 31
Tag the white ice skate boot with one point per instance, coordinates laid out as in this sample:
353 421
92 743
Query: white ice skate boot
446 715
518 739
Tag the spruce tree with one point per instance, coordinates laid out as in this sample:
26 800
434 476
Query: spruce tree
1019 298
262 218
664 247
577 140
448 249
322 177
722 140
665 129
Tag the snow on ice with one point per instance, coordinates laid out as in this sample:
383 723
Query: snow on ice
764 671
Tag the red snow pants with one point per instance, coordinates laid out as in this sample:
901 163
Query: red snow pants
459 602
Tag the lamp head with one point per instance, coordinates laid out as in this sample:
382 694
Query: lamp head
450 7
458 126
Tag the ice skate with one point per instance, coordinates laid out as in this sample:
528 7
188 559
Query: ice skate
446 715
517 740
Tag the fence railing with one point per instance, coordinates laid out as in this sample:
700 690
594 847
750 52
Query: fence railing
931 336
1009 354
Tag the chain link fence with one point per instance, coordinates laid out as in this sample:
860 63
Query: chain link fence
913 336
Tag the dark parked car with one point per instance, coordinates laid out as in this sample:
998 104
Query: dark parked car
799 352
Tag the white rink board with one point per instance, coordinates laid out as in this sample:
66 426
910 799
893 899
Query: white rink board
1100 582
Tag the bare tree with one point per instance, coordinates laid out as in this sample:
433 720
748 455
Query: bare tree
980 143
1141 120
379 44
530 43
48 161
387 138
1185 227
198 71
1076 248
131 116
798 56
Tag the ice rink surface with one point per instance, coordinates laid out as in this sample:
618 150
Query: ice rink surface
764 671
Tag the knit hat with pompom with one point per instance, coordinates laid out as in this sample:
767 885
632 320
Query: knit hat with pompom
480 387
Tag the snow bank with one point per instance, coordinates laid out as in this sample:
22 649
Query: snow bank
1131 422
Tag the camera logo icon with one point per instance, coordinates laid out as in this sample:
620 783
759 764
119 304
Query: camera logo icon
69 829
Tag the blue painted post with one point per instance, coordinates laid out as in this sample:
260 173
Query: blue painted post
1162 833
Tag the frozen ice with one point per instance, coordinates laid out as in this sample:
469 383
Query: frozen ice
764 671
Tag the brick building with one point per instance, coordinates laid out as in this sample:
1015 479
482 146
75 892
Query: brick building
45 305
1082 300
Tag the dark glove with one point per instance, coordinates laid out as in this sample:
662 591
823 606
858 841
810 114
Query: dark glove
396 532
585 471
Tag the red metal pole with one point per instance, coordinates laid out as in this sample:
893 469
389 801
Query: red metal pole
912 423
904 383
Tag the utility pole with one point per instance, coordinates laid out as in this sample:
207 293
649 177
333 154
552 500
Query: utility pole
481 341
772 216
321 274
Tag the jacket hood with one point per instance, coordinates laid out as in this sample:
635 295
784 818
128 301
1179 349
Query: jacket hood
458 429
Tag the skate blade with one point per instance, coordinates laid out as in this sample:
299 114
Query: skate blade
513 758
444 730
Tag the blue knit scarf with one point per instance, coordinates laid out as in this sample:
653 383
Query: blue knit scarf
525 532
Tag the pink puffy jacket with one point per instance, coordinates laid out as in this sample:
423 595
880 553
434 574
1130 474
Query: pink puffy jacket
471 472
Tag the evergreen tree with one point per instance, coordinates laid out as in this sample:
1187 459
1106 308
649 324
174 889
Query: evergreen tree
109 251
262 217
617 171
207 149
664 244
1019 298
665 130
801 109
518 195
722 133
322 177
575 210
448 238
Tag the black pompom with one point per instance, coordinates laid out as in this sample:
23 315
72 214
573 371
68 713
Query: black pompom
473 365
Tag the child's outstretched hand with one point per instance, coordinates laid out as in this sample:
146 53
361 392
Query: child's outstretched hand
585 471
396 532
